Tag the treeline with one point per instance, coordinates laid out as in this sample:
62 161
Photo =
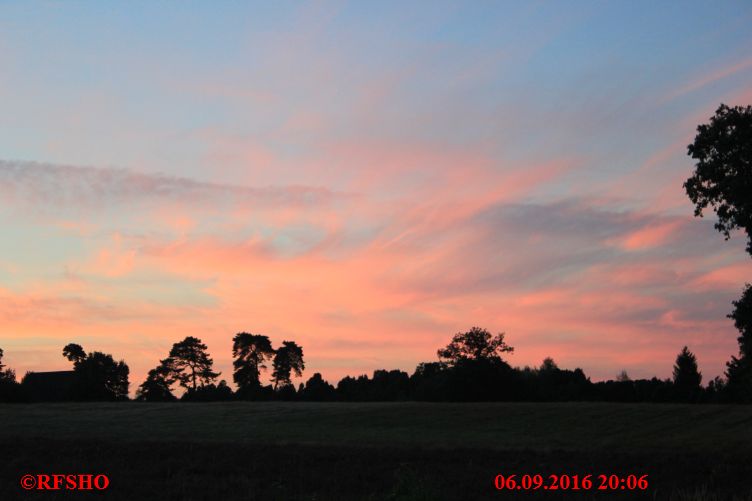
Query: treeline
470 368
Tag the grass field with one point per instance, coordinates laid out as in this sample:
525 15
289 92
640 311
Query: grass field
377 450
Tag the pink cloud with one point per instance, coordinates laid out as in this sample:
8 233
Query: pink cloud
113 260
725 277
651 236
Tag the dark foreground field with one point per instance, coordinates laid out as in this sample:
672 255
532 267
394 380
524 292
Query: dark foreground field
397 451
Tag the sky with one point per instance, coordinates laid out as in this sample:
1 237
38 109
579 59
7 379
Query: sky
366 179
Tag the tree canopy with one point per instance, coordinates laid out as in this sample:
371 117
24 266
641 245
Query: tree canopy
98 375
475 344
156 387
6 374
316 388
250 353
739 369
686 375
723 175
191 364
74 352
288 360
742 317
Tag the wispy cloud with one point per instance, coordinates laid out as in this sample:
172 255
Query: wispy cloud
63 186
706 79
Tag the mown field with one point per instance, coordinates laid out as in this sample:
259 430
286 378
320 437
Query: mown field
398 451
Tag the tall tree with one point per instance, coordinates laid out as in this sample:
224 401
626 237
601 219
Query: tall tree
191 365
287 360
250 351
475 344
723 176
723 181
687 378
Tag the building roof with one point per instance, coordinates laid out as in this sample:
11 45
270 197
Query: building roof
49 386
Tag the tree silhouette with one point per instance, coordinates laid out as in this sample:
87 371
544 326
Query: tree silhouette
687 378
10 390
352 389
209 393
739 370
723 176
74 353
190 363
317 389
287 360
389 385
548 365
429 381
475 344
742 317
286 392
98 376
717 390
250 351
156 387
8 375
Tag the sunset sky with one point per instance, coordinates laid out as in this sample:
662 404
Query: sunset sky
366 179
